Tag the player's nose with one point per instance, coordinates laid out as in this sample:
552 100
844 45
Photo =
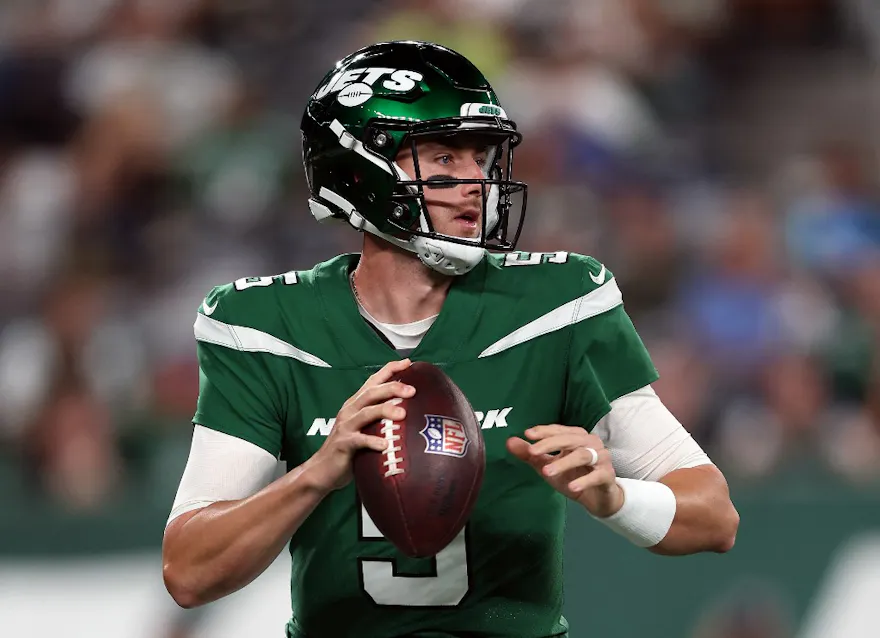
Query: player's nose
472 170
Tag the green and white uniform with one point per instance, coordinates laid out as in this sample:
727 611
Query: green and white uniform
530 339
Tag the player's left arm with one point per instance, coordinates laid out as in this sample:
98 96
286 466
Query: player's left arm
646 444
705 518
645 478
638 471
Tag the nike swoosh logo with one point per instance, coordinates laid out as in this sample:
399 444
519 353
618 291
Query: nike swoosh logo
209 310
600 278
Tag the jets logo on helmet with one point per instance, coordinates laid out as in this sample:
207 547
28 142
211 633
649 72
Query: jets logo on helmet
386 98
493 110
396 80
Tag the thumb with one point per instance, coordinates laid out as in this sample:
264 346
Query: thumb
520 449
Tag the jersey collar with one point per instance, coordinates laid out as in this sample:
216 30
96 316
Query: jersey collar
358 343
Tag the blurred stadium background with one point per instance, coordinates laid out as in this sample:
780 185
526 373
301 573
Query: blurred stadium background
719 155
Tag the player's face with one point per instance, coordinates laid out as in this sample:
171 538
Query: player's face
455 210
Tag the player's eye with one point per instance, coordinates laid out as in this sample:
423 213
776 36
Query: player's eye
444 159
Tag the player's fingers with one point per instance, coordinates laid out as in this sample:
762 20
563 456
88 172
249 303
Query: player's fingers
360 440
580 458
538 432
383 375
387 371
379 393
373 413
559 443
520 449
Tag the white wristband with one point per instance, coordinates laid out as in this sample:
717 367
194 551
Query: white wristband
647 512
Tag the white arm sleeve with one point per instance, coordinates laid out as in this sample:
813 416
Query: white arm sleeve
645 440
221 467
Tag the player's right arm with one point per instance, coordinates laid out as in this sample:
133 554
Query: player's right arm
213 550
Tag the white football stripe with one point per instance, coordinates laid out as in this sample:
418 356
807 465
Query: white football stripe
249 340
593 303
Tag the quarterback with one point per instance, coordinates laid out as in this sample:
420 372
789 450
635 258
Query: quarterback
407 143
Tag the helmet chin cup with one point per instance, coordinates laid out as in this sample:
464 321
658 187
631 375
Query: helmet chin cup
447 257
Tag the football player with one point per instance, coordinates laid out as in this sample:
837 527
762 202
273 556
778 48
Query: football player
407 143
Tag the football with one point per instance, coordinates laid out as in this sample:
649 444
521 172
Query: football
420 492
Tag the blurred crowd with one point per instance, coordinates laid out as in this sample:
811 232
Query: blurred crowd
718 155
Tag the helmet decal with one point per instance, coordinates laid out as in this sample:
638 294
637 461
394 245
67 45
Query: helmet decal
355 94
395 80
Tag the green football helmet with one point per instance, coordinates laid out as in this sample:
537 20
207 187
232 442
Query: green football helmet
392 94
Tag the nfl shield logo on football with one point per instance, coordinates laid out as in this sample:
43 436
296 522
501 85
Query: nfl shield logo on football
444 436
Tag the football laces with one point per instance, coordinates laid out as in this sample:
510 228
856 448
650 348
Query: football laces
392 460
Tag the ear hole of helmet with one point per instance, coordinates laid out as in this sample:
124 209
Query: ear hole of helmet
405 209
381 140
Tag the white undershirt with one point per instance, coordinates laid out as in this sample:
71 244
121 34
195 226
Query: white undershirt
645 439
403 336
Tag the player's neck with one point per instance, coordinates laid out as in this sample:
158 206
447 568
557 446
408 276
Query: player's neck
395 287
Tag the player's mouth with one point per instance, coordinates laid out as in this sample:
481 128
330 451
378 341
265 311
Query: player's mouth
469 219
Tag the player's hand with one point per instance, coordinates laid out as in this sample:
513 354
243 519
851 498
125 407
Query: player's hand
376 400
572 471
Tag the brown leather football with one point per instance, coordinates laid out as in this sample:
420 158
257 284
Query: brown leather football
420 492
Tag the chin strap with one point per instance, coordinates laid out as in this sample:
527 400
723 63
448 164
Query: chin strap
446 257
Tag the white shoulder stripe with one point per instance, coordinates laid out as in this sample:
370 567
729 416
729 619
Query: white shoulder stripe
249 340
589 305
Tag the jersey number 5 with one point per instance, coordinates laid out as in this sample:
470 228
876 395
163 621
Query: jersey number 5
445 587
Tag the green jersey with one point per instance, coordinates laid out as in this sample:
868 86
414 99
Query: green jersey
530 339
